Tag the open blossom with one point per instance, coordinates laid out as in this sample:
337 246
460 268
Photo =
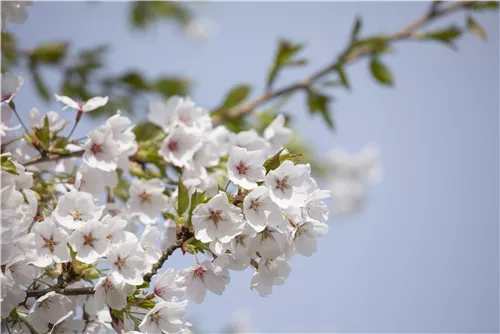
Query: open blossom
112 293
82 106
101 150
288 184
75 209
180 145
10 85
165 286
349 175
164 317
89 241
148 243
147 197
200 277
47 310
277 134
304 236
94 181
217 219
115 228
50 242
35 120
126 262
272 271
67 324
121 127
245 168
178 111
271 242
4 120
260 210
314 207
15 12
249 140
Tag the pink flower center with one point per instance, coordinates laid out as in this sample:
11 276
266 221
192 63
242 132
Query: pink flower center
215 216
173 145
242 168
145 197
198 272
96 148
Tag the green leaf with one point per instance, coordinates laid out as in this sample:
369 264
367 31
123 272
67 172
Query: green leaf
40 84
475 28
483 5
182 202
170 216
170 86
273 162
380 72
374 45
236 96
135 80
318 103
145 13
355 30
286 51
196 198
43 134
59 143
8 166
447 36
49 53
148 131
343 77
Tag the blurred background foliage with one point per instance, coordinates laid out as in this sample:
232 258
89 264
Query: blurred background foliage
84 73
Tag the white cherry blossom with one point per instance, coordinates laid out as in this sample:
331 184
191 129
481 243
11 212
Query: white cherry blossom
75 209
94 181
166 288
50 243
147 197
112 293
82 106
249 140
260 210
180 145
288 184
272 271
90 241
10 85
277 134
245 168
47 310
217 219
101 150
36 120
164 317
127 262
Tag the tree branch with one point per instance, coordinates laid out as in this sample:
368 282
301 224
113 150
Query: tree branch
350 55
53 157
67 292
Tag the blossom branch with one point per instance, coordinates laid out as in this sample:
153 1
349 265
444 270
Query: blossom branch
62 291
53 157
349 56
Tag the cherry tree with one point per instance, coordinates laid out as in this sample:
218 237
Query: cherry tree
88 224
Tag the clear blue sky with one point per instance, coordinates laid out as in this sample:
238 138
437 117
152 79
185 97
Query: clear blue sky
423 254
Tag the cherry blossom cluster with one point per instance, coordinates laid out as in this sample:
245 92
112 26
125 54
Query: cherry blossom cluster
71 246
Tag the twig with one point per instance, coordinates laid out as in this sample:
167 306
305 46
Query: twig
53 157
67 292
350 55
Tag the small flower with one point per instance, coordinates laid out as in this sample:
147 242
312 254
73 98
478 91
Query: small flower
126 262
200 277
108 291
288 184
75 209
121 127
147 197
115 228
272 271
90 241
35 120
180 145
94 181
101 150
271 242
260 210
245 168
304 236
147 241
277 134
15 12
248 139
164 317
166 288
314 207
10 86
178 111
47 310
50 243
92 104
217 219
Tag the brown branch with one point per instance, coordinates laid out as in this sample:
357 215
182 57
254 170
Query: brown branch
67 292
53 157
350 55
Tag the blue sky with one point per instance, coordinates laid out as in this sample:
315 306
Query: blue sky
422 256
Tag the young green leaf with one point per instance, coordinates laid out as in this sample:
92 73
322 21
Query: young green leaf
318 103
236 96
284 57
475 28
273 162
196 198
380 72
343 77
182 202
8 166
355 30
447 36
